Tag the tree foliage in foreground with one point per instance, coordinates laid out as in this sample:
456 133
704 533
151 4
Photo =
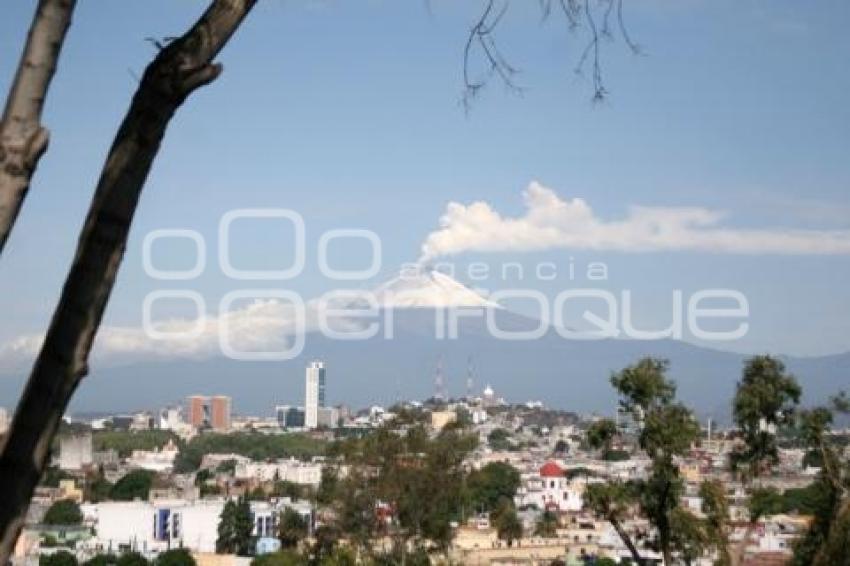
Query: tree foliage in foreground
252 445
404 484
63 512
667 431
234 529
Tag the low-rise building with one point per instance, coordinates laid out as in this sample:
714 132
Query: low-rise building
290 470
550 489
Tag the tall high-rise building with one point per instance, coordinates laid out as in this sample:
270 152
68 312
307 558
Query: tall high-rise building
314 396
197 409
220 412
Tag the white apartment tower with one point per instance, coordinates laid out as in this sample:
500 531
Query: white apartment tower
314 397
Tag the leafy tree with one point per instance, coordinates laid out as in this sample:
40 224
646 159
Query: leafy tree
53 475
202 476
667 431
325 540
254 445
417 480
715 507
132 559
328 486
175 557
491 483
341 556
601 434
98 488
292 528
827 499
135 485
63 512
688 535
226 467
282 558
765 398
499 439
283 488
234 528
400 555
59 558
613 501
356 509
257 494
124 442
644 386
547 525
615 456
764 501
508 526
101 560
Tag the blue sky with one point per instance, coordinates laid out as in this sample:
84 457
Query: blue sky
348 112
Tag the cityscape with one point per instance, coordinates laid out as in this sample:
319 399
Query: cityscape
147 483
424 283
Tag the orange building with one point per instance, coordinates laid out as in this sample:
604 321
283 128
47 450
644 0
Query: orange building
220 412
197 410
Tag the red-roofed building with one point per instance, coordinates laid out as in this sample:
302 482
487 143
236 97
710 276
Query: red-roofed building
550 489
551 470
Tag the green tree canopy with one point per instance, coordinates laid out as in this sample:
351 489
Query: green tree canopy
256 446
59 558
282 558
507 523
765 398
234 529
132 559
101 560
292 528
547 525
500 439
668 429
135 485
63 512
715 507
175 557
601 434
491 483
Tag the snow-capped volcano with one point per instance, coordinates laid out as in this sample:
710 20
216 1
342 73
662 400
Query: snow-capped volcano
428 288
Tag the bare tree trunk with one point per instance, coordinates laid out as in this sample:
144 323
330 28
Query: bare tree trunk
666 552
180 67
22 138
627 540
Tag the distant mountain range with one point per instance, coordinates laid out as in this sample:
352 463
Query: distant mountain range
568 374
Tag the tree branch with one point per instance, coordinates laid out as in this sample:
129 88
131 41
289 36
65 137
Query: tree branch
178 69
23 140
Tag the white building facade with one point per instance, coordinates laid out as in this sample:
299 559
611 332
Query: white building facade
153 527
290 470
314 396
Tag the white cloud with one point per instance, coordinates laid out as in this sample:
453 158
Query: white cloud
267 325
552 222
262 325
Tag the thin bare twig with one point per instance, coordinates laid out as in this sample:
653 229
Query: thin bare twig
597 16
